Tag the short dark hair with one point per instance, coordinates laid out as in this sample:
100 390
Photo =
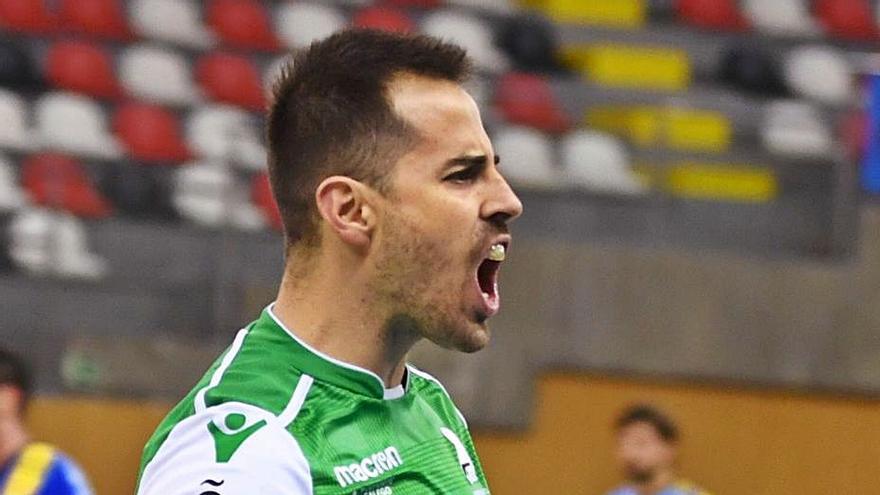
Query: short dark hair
330 115
14 371
643 413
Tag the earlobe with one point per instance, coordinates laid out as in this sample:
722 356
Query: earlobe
343 205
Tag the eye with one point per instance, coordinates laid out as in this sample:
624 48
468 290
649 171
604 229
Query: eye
464 175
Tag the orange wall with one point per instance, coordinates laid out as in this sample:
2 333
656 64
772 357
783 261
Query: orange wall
734 441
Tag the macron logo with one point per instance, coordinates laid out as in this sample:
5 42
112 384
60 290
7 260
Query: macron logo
368 468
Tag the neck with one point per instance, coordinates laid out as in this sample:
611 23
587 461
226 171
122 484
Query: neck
12 438
661 480
331 309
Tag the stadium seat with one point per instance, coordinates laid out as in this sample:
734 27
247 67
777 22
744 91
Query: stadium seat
157 75
298 24
208 194
17 69
138 191
228 134
175 21
631 66
261 195
11 196
241 23
527 156
15 133
781 17
29 16
81 67
45 242
59 182
752 69
820 73
492 7
421 4
471 33
674 127
230 79
712 14
383 18
629 14
530 43
74 124
847 19
527 99
101 18
726 182
150 133
597 162
795 129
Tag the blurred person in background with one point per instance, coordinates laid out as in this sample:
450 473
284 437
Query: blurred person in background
647 447
395 220
28 467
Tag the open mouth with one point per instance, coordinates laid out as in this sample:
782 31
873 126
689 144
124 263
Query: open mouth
487 277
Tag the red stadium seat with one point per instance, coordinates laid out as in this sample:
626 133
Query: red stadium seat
231 79
383 18
261 195
422 4
31 16
59 181
103 18
712 14
150 133
242 23
82 67
527 99
848 19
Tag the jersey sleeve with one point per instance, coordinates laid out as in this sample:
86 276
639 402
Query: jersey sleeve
65 478
231 449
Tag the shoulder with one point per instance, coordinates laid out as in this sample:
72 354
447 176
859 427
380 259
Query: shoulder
685 487
622 490
433 391
236 445
66 477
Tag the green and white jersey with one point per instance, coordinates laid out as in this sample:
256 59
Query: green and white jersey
274 416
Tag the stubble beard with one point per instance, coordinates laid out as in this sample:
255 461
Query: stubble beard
415 287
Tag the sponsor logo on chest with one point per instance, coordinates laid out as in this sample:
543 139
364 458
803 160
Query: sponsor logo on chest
369 467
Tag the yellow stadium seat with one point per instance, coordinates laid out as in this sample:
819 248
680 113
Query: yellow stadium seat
628 66
626 14
722 182
677 128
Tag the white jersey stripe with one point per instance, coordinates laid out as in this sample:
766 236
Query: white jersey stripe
296 401
199 402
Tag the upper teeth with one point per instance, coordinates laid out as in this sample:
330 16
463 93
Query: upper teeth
496 252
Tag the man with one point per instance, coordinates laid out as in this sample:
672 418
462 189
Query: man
26 467
395 219
647 442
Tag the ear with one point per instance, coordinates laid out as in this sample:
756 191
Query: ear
344 204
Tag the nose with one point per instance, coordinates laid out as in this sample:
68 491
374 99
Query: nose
502 204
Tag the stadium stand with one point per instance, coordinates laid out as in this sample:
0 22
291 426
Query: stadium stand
598 162
75 124
241 24
229 78
174 21
27 16
781 17
157 75
298 24
138 192
17 69
150 133
15 133
795 128
11 195
470 32
225 133
383 18
528 157
528 99
99 18
208 194
82 67
60 182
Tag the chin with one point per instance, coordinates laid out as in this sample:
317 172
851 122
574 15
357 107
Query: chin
473 338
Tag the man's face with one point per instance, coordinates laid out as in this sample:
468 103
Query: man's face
447 207
642 452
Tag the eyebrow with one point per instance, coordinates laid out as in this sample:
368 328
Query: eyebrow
473 160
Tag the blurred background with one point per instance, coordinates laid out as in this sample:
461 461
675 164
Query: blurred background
701 181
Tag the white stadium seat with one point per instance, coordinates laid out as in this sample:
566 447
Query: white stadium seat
781 17
208 194
820 73
526 157
177 21
598 162
498 7
76 124
222 132
298 24
11 195
157 75
14 133
471 33
795 128
43 241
